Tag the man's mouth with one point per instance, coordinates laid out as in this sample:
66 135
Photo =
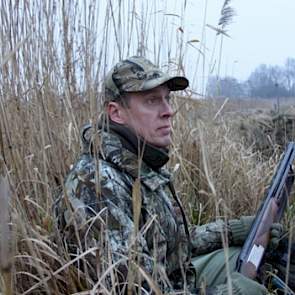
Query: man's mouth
165 129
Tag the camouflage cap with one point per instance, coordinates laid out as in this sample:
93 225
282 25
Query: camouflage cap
137 74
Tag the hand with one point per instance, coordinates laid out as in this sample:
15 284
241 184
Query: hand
276 233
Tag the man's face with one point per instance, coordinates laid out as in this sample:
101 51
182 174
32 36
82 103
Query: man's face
149 114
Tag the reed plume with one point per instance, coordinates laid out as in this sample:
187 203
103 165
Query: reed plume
227 14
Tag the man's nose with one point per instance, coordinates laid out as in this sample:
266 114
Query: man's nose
167 110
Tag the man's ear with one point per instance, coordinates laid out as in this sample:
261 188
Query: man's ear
116 112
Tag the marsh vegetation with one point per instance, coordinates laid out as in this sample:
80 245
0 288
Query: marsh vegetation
54 56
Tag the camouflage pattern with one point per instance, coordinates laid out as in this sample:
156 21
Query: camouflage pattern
98 200
114 193
138 74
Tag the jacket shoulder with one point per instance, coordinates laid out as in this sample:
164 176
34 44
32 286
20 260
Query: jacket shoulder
91 175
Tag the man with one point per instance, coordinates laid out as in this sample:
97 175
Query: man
120 200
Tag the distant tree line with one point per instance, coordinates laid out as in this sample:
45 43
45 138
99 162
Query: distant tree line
264 82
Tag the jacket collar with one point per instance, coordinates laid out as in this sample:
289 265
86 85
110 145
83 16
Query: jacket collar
113 151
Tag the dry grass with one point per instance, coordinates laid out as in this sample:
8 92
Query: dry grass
218 174
53 59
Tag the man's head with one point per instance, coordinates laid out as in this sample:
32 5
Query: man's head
137 96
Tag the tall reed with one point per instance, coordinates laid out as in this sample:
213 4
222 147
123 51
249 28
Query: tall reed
54 57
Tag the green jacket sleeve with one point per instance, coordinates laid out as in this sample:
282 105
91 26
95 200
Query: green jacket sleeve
208 237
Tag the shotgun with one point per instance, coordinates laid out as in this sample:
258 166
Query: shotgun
269 212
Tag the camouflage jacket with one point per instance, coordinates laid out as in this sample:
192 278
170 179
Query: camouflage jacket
97 201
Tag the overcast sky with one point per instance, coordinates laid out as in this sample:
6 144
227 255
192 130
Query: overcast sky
263 31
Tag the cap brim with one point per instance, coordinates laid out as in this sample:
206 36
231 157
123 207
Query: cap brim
177 83
173 83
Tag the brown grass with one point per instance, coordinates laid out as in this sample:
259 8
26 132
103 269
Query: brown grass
53 60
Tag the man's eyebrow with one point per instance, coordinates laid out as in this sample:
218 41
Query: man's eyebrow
152 95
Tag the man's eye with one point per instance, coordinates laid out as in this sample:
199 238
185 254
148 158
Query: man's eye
157 100
152 100
168 98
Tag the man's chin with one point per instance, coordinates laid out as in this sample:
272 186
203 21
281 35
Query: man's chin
162 142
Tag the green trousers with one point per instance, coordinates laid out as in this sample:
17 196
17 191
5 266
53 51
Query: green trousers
213 269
